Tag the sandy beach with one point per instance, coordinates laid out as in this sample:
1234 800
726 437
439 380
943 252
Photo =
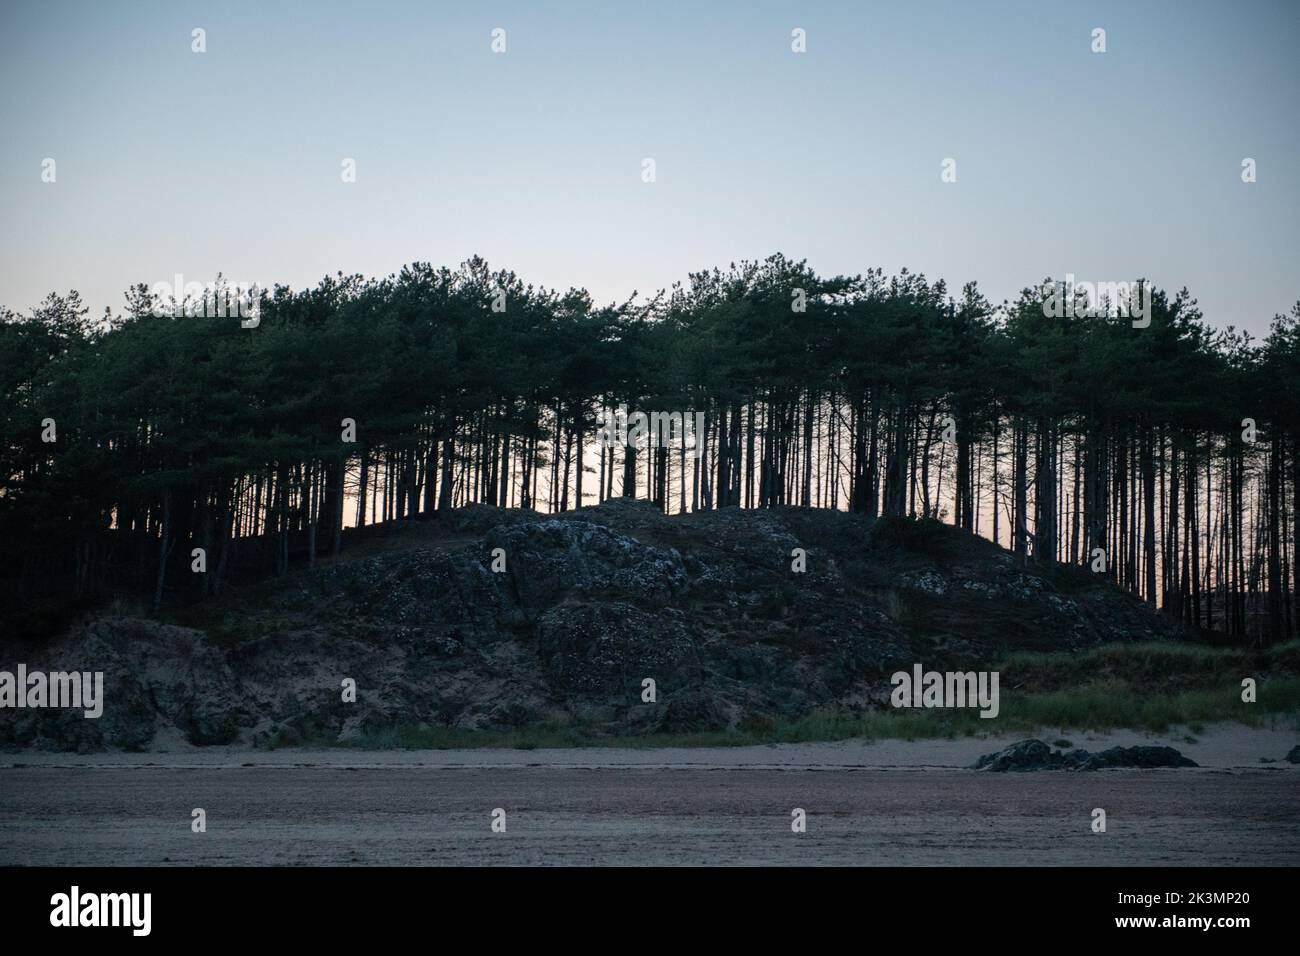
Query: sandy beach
884 803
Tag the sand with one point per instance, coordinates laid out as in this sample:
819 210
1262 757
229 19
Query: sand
1220 745
889 803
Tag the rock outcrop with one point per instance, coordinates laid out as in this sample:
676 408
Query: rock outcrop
590 604
1030 755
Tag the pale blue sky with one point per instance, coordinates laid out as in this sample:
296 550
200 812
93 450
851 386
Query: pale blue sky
1105 165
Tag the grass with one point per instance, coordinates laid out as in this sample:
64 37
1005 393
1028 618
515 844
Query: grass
1162 667
1148 687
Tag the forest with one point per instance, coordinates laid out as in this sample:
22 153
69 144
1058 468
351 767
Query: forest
1164 456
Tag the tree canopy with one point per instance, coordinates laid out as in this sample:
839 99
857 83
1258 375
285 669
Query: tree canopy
1164 456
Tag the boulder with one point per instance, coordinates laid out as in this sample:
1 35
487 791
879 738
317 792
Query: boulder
1028 755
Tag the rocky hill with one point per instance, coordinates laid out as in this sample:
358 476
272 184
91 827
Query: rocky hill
590 603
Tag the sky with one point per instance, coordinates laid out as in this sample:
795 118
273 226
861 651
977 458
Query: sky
1107 165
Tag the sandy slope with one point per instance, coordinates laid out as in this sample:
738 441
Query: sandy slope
1223 746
